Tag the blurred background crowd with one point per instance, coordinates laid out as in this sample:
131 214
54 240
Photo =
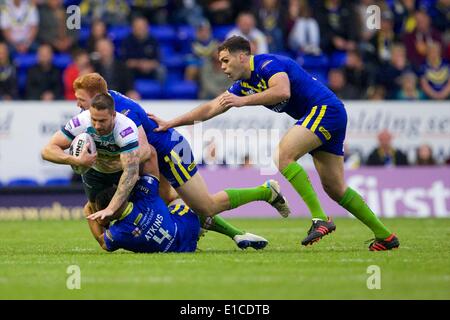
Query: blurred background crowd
166 49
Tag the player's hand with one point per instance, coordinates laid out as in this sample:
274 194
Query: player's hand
86 159
229 100
162 124
102 214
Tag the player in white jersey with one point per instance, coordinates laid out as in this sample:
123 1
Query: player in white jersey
118 153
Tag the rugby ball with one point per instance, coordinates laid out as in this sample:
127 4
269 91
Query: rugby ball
77 146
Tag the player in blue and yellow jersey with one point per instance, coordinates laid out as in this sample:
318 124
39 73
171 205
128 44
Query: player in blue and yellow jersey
281 85
144 223
175 161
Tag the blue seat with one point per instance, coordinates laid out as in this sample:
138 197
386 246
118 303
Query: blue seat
118 33
338 59
25 61
148 89
57 182
62 60
83 35
310 61
174 61
23 182
186 33
181 90
220 32
163 33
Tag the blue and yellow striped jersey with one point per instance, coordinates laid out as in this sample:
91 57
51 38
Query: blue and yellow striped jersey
306 91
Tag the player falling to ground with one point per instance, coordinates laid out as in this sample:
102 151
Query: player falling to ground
176 165
281 85
145 223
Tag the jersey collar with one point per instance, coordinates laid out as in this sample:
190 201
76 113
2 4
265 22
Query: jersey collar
252 63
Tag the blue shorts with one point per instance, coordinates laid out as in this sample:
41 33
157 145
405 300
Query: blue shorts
179 165
329 123
188 226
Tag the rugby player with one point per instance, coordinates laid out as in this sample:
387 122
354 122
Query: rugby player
281 85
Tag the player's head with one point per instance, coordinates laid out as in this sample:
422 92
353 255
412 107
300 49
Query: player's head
103 199
234 54
103 113
86 87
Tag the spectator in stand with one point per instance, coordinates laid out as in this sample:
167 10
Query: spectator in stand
352 158
81 65
53 29
376 93
44 79
212 80
416 42
379 47
424 156
218 12
115 72
435 80
409 89
304 38
140 51
111 12
338 26
385 154
202 48
19 22
8 80
268 17
98 31
390 74
356 73
338 84
155 11
186 12
439 14
246 27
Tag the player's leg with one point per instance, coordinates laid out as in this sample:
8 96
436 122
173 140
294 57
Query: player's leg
181 171
166 191
297 142
331 171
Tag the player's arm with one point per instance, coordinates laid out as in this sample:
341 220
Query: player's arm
101 241
130 175
144 146
204 112
54 152
278 91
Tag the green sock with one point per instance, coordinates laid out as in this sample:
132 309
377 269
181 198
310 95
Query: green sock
298 177
356 205
239 197
218 224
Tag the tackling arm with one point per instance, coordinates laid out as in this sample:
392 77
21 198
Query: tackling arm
130 175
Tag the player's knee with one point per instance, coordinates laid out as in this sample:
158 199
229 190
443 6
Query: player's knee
206 211
87 209
282 159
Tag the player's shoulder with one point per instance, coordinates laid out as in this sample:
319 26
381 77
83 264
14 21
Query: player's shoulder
81 121
124 127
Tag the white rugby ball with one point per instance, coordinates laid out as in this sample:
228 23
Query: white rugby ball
77 146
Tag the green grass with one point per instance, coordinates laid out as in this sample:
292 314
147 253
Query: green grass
34 257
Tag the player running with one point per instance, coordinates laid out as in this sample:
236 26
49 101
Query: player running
281 85
144 223
175 160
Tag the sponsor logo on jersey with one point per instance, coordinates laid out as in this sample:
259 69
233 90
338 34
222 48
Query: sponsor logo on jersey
126 132
76 122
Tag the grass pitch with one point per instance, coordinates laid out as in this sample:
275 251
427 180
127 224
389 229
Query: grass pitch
35 255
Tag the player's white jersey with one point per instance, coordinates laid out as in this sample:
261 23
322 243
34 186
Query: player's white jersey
123 138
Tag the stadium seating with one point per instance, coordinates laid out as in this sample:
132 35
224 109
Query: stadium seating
23 182
148 89
62 60
57 182
25 61
220 32
181 90
337 59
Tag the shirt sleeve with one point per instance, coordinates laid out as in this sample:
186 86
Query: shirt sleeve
128 137
108 237
74 127
236 89
269 68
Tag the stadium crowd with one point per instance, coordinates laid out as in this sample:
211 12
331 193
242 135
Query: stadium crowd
167 48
